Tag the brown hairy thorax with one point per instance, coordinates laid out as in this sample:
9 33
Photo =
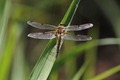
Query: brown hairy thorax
60 30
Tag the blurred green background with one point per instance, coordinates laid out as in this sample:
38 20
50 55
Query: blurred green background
18 53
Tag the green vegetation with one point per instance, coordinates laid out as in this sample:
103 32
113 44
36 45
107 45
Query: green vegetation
19 55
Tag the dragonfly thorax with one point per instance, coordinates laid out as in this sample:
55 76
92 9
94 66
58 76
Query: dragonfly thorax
60 30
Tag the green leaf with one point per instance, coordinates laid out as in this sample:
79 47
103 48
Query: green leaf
77 50
45 62
70 13
80 72
4 17
10 46
107 73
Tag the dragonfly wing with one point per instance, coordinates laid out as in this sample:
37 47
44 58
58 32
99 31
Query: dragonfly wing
46 35
41 26
76 38
79 27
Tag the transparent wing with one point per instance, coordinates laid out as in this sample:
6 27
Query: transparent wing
79 27
76 38
46 35
41 26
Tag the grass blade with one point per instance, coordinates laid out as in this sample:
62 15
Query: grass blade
44 61
107 73
77 50
10 46
3 24
70 12
80 72
19 63
48 57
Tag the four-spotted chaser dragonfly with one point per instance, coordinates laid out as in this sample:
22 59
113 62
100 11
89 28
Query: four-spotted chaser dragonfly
59 32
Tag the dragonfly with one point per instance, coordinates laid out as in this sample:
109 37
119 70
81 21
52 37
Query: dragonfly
59 32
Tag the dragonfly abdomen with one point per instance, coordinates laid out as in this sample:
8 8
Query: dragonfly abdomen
58 43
